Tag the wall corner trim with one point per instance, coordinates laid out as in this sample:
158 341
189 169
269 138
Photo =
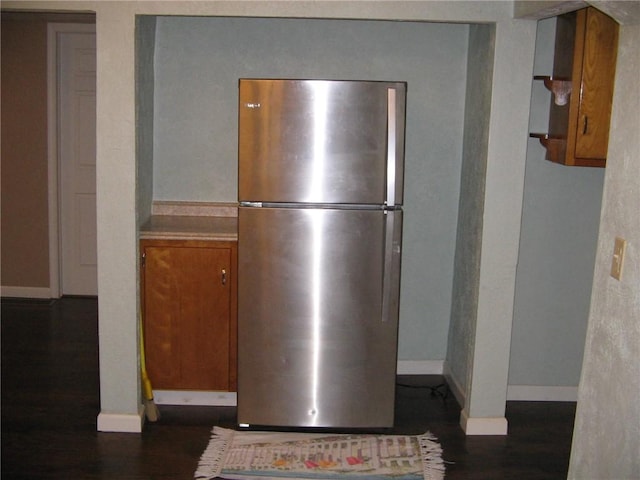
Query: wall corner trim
123 423
483 425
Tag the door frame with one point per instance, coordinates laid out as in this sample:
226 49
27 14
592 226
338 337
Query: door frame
53 156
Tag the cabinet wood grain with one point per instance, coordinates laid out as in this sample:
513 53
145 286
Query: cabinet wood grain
585 60
189 311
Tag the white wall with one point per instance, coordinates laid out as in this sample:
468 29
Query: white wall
486 387
606 439
118 297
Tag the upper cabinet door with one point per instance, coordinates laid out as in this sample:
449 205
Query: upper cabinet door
314 141
584 71
600 34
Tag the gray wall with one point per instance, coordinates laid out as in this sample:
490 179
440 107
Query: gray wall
197 64
145 92
466 278
560 221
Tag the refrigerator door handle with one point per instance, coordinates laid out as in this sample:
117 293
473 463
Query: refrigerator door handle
391 147
387 279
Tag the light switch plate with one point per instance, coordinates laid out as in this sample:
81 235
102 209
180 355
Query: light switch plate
618 258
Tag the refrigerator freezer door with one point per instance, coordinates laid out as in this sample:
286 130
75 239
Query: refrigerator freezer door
316 349
315 141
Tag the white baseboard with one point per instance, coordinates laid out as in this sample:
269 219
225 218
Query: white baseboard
535 393
217 399
514 392
194 397
117 422
25 292
523 393
483 425
420 367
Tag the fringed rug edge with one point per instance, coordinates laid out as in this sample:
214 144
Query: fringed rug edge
212 459
431 453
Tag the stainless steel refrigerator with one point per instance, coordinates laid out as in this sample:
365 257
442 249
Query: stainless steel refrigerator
320 190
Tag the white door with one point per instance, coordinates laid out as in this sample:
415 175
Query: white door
77 162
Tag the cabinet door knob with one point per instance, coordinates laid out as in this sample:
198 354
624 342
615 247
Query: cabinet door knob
223 277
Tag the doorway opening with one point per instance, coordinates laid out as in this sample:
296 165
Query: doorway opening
71 67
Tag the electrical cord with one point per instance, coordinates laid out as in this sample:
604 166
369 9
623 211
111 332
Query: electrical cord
441 390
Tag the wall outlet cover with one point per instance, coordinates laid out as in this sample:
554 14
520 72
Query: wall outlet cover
617 260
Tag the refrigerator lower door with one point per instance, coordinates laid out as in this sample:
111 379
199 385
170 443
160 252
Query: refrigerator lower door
316 348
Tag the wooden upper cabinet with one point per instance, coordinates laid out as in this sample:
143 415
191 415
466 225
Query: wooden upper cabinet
582 85
188 296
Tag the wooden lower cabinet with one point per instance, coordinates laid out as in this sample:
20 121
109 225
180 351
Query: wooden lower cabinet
189 312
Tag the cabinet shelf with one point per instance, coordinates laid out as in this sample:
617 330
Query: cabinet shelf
556 146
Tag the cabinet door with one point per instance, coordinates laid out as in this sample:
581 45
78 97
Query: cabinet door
187 311
600 36
585 56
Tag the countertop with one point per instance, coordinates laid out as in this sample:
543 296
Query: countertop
175 221
186 228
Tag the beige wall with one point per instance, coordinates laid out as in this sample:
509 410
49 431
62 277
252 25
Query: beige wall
25 215
25 238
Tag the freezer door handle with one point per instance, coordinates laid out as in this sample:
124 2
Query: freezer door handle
391 147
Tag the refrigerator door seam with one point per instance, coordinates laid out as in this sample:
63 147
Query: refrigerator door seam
315 206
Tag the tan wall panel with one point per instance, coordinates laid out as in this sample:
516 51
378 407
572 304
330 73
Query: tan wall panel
24 229
24 162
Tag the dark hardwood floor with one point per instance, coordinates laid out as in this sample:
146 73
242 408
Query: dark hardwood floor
50 401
